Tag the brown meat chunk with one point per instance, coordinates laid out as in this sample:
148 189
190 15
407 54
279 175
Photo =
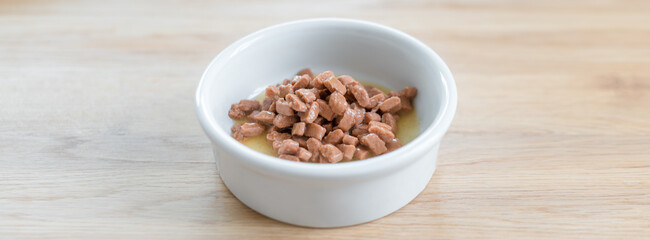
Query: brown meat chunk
315 131
371 116
391 105
406 104
383 133
318 81
282 121
350 140
273 136
334 137
283 107
361 95
251 129
265 117
390 120
379 124
372 91
347 150
272 107
306 71
249 105
312 113
298 129
374 143
361 153
313 145
289 157
393 144
409 92
337 103
288 146
304 154
302 81
359 115
236 112
359 130
331 153
328 126
325 110
307 95
375 100
334 85
272 92
347 121
236 132
296 103
302 141
348 81
285 89
266 104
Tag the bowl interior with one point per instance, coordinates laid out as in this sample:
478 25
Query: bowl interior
365 51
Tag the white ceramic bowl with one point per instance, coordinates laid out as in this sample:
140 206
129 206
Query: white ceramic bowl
326 195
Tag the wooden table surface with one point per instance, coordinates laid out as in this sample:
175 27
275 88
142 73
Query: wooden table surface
99 138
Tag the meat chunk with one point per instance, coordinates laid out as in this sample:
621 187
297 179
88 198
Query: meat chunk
377 99
236 132
273 136
265 117
282 121
288 146
249 105
296 103
337 103
361 153
315 131
391 105
372 91
350 140
361 95
251 129
374 143
393 144
334 85
334 137
306 71
409 92
236 112
298 129
406 104
302 141
325 110
390 120
319 80
347 121
307 95
266 104
283 107
379 124
331 153
359 130
348 81
289 157
371 116
272 92
304 154
313 145
285 89
383 133
312 113
302 81
347 150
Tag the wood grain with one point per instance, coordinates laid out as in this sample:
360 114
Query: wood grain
99 139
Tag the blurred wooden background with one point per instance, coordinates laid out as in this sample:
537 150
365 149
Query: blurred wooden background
99 139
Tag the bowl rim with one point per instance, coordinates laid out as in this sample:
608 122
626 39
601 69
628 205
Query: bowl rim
252 159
